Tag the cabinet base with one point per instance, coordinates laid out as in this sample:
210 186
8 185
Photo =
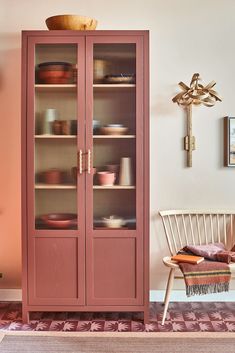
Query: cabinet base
27 310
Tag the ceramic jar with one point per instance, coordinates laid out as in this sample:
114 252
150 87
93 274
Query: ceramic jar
100 70
49 117
125 175
52 176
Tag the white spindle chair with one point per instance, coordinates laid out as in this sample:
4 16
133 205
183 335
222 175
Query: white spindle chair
184 227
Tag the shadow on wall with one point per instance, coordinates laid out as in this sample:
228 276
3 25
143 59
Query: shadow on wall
159 249
221 145
162 104
10 224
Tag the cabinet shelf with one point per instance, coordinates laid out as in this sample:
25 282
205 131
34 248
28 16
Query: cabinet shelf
55 186
94 136
113 85
113 136
113 187
55 87
73 86
55 136
73 186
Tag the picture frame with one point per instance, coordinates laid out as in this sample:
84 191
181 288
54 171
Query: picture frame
229 141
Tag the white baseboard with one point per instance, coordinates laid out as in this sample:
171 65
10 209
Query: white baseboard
155 296
180 296
11 295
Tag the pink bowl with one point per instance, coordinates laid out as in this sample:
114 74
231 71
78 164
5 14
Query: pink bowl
106 178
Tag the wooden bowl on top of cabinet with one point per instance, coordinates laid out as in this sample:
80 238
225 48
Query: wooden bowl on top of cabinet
71 22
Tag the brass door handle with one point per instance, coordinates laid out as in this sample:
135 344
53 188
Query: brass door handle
80 162
89 162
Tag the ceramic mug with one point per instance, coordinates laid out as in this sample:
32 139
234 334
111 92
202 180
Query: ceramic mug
106 178
50 115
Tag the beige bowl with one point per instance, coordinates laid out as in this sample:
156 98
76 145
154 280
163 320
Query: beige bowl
71 22
113 222
111 130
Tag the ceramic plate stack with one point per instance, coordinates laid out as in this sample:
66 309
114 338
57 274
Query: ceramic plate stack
114 129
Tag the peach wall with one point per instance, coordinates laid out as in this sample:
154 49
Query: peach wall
186 37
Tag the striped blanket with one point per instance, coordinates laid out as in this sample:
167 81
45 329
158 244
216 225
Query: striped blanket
213 274
206 277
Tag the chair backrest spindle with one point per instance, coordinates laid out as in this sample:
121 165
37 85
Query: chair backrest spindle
218 227
225 231
191 228
183 227
198 230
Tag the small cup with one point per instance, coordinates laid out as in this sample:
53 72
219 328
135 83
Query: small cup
106 178
73 127
74 174
56 127
65 127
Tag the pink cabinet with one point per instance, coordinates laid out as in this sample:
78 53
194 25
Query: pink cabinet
85 171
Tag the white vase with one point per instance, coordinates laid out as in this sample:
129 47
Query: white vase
49 116
125 176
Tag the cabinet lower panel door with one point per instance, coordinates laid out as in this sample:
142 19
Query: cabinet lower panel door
113 278
54 272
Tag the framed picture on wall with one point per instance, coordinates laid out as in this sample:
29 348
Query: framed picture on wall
229 141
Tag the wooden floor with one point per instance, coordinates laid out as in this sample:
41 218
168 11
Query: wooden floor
138 344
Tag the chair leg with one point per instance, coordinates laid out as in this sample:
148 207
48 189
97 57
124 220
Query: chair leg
168 292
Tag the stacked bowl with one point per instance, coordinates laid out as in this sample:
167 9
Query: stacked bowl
55 72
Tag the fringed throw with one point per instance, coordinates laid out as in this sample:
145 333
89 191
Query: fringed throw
206 277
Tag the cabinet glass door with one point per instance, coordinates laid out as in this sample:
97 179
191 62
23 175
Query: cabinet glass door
56 181
114 135
58 128
115 158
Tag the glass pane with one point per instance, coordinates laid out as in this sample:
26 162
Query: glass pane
55 136
114 142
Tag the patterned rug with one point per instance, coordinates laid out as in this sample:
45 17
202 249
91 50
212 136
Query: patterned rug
181 317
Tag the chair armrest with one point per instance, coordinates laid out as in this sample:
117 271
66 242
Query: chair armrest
170 263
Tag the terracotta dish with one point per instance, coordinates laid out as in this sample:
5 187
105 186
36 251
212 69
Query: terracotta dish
71 22
60 220
113 130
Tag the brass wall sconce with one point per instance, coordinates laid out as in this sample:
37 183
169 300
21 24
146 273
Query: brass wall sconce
195 94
